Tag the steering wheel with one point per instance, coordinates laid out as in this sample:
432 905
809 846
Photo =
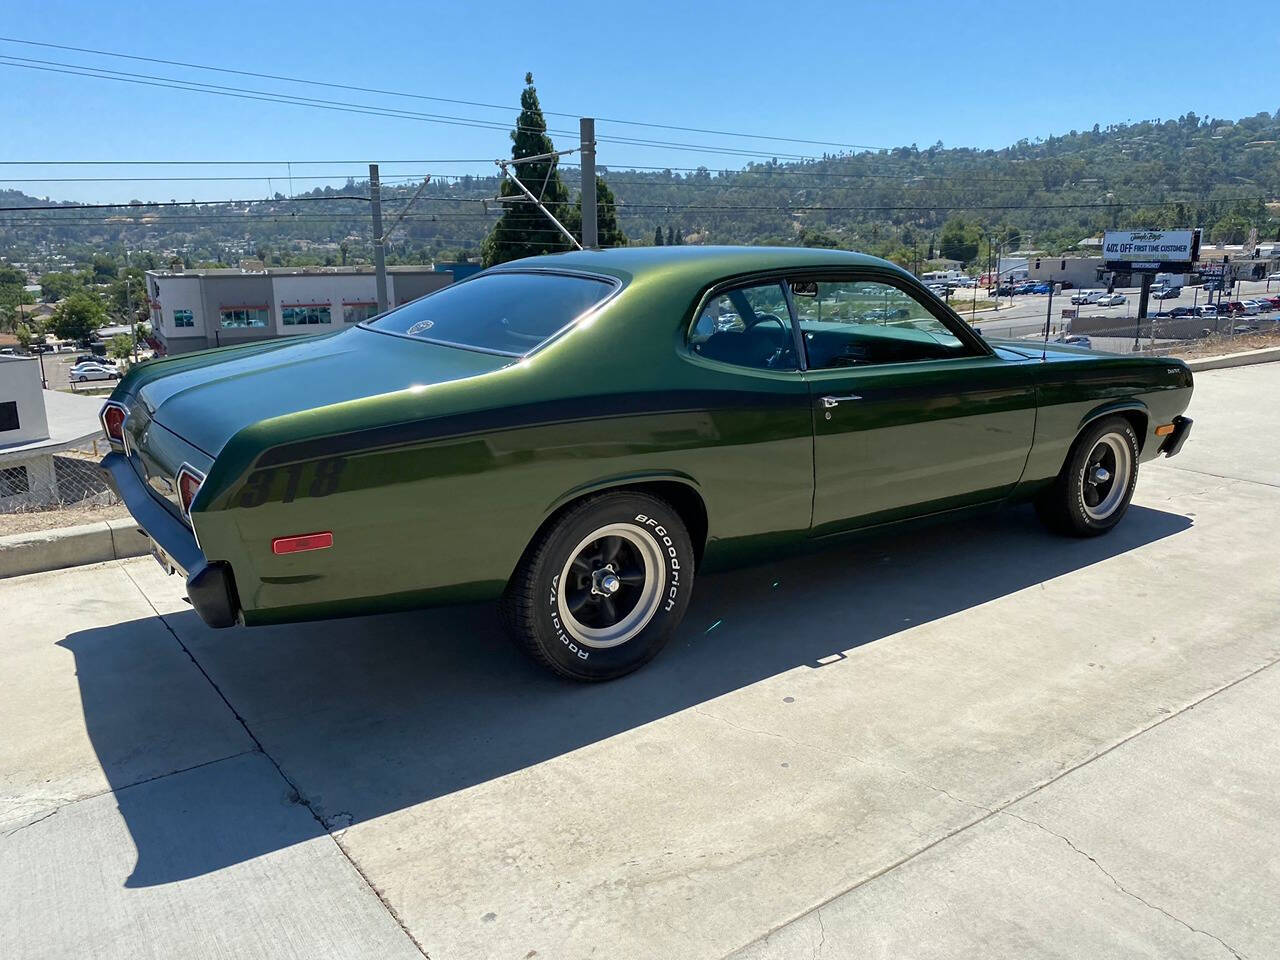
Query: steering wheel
767 317
781 353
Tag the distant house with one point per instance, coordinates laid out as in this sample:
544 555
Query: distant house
36 424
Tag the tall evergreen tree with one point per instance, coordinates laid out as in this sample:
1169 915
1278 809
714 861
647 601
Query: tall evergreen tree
679 237
657 236
671 237
608 230
523 231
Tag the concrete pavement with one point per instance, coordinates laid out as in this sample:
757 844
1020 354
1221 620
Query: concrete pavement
977 740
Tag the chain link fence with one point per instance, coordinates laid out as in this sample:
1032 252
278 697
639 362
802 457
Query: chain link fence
55 481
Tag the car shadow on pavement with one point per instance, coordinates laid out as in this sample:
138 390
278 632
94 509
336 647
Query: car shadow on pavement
371 715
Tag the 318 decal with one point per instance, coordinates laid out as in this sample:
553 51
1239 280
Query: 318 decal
318 478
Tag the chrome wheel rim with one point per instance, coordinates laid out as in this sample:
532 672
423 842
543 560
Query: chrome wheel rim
1106 476
611 585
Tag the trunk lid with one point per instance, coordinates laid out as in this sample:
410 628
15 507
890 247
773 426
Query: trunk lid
208 402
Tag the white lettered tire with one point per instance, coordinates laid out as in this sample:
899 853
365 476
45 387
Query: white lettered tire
602 588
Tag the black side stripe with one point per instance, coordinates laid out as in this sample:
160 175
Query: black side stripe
543 413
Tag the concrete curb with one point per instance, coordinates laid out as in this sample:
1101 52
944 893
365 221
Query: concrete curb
1242 359
71 546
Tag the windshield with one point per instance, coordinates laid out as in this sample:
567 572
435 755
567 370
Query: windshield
508 312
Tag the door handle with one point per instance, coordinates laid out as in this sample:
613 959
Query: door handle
829 402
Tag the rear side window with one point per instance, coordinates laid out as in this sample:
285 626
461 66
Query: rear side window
511 313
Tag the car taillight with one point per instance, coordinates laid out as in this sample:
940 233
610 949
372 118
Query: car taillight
188 483
112 417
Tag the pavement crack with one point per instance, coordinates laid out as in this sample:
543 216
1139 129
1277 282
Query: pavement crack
1032 791
822 930
293 787
1122 888
31 823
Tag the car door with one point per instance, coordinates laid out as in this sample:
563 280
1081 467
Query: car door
913 413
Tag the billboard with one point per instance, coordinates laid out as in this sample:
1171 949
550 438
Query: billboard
1150 249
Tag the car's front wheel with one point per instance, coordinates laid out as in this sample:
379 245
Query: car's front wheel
1095 486
603 587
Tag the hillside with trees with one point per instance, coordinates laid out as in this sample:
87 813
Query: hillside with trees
908 203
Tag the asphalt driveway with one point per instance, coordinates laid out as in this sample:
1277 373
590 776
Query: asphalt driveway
977 740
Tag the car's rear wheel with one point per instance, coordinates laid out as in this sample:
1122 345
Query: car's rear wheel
603 587
1095 486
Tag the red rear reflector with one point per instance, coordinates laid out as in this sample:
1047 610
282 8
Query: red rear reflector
188 487
304 541
113 423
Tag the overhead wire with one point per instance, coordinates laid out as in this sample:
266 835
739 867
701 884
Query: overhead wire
419 96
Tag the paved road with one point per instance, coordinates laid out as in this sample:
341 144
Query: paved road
57 372
1025 315
973 741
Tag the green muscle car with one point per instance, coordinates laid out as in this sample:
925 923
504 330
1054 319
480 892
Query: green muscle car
576 436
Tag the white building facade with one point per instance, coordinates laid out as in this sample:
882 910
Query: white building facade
36 424
198 309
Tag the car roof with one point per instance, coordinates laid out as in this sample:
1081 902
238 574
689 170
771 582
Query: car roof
710 262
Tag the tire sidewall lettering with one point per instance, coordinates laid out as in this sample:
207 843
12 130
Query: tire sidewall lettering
659 532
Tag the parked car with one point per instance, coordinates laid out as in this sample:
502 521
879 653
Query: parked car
1256 306
572 437
1041 288
1211 286
1249 307
1075 340
84 372
1167 293
1273 276
1208 310
1184 312
1025 288
1111 300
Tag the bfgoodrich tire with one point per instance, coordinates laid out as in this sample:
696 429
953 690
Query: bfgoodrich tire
1093 491
600 591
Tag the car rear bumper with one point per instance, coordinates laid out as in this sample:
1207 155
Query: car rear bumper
210 584
1173 443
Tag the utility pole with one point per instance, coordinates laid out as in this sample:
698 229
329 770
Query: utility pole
1048 313
590 223
1144 295
128 300
379 241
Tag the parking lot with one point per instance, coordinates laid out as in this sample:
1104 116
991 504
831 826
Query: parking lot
968 740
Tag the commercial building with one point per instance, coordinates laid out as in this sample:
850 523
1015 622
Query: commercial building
1012 268
1080 272
195 309
36 424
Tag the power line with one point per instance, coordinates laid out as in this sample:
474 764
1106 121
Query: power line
102 73
241 93
419 96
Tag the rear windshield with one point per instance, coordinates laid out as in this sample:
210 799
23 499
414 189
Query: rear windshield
510 313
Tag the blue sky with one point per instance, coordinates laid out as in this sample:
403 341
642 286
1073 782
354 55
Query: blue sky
880 74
